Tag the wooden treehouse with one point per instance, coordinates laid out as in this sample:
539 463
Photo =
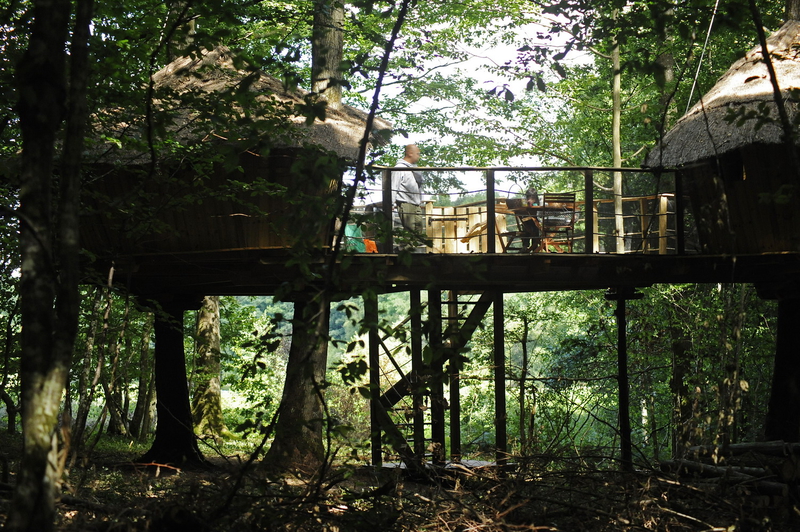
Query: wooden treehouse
202 238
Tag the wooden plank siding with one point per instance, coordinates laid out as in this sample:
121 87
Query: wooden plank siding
188 213
736 205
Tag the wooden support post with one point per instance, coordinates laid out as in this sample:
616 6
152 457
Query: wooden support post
621 295
455 392
386 207
680 235
663 204
417 370
437 386
590 237
371 319
500 414
491 225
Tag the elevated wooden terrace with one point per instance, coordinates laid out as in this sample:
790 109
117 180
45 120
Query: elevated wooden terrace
659 246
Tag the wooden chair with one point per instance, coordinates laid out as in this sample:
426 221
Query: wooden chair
557 221
521 234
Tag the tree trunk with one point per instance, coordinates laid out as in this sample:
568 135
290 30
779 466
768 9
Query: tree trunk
12 408
783 413
145 379
327 44
113 384
49 295
682 404
175 442
207 398
616 144
84 390
523 377
298 442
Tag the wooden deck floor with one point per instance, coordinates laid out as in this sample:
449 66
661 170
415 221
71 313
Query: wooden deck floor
261 273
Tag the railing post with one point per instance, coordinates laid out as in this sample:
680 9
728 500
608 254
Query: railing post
588 207
491 223
680 236
386 208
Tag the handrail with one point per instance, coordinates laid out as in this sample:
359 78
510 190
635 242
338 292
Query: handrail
592 234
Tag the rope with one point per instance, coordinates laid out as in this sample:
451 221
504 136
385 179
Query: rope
702 55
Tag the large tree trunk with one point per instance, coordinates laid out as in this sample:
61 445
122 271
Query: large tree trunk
783 413
49 294
298 442
175 442
207 397
327 43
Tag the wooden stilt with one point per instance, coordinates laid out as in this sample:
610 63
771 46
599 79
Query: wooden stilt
371 318
438 452
500 414
621 295
417 370
783 413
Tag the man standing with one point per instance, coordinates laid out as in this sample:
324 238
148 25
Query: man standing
407 189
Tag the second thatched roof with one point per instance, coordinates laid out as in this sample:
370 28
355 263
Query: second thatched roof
744 90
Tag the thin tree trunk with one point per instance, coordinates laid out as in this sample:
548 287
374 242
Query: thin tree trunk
12 409
616 144
207 399
682 404
112 385
85 403
150 411
523 376
145 380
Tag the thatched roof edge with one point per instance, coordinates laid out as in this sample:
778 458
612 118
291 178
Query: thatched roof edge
745 88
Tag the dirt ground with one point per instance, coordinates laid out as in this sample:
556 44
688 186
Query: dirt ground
110 494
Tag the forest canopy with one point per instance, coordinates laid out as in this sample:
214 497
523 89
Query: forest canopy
519 82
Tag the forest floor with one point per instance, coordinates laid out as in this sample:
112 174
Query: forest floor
109 494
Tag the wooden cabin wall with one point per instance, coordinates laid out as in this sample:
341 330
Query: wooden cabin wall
709 204
128 213
765 222
732 206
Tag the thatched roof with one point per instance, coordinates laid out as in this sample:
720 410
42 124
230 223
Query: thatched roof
745 88
189 82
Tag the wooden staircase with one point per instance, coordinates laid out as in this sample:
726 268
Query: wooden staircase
411 411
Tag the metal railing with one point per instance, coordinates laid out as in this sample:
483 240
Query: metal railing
649 217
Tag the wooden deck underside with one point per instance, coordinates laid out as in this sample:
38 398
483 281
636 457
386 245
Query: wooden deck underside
261 273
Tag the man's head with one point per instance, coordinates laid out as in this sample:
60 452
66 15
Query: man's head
412 154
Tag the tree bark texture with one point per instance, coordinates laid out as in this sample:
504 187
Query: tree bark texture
145 377
298 444
114 381
207 397
85 386
783 413
12 408
49 290
175 442
327 44
616 144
